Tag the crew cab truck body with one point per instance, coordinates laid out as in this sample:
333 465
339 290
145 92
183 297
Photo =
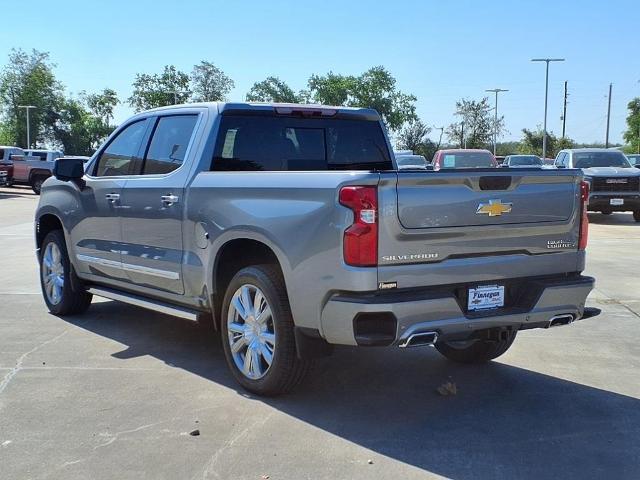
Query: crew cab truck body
614 185
289 228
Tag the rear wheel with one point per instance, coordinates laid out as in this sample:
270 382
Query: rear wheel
55 278
636 215
36 183
476 351
257 332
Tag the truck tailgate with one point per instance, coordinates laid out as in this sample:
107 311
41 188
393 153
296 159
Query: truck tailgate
445 217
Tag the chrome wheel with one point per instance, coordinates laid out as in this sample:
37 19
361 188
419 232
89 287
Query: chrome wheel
52 273
251 332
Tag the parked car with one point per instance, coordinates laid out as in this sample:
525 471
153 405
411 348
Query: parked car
634 159
500 159
33 171
522 161
467 158
290 229
46 155
411 161
614 184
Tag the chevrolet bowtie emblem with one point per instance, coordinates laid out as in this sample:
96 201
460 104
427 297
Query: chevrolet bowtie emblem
494 208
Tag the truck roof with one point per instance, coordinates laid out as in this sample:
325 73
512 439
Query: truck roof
283 108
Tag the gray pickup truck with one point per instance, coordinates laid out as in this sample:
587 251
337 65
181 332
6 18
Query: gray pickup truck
289 229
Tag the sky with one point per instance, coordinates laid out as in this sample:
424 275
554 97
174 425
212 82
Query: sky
440 51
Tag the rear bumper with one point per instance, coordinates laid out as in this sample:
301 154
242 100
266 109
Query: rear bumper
602 201
409 312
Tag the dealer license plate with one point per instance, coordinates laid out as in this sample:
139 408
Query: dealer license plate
486 296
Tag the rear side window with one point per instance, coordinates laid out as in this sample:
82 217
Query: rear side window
273 143
121 153
169 144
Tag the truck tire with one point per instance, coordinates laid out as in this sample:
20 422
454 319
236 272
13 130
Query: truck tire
55 278
257 332
476 351
636 215
36 183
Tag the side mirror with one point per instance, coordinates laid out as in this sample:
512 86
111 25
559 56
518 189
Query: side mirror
637 165
68 169
560 166
429 166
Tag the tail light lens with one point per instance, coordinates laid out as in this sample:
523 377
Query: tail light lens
584 220
361 238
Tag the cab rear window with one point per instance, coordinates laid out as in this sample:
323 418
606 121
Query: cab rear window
278 143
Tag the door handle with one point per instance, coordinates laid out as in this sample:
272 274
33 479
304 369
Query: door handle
112 197
169 200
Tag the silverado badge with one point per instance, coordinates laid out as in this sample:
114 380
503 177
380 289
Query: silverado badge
494 208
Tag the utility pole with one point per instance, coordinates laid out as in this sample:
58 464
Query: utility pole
546 96
440 139
462 134
495 119
564 110
28 108
606 139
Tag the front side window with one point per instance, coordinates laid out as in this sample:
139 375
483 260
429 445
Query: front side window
122 152
276 143
169 144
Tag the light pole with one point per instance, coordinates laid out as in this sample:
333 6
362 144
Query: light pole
175 95
546 95
28 108
495 120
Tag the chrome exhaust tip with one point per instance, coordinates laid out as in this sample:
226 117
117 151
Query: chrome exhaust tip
420 339
559 320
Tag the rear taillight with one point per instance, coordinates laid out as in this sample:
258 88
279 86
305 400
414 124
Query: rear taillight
584 219
361 238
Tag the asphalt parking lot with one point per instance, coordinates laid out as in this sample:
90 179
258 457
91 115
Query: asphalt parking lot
114 393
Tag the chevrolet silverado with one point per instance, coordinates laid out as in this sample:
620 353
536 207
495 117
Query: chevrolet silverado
289 229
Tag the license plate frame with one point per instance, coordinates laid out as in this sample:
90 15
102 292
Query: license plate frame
616 201
485 297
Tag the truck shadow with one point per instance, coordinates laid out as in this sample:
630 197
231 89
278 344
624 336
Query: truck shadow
616 218
505 421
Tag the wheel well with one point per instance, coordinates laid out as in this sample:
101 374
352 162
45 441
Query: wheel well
46 223
233 257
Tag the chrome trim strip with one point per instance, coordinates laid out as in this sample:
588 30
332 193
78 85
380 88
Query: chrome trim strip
129 267
148 304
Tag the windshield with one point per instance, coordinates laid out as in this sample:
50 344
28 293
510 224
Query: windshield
599 159
467 160
520 160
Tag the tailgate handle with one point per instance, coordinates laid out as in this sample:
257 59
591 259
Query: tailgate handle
501 182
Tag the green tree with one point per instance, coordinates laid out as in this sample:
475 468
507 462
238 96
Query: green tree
531 143
375 88
102 104
414 136
209 83
28 79
272 89
632 135
478 122
78 128
157 90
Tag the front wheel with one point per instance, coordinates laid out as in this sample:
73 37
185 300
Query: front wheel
636 215
55 278
476 351
257 332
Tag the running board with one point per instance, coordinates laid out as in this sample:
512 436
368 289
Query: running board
149 304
